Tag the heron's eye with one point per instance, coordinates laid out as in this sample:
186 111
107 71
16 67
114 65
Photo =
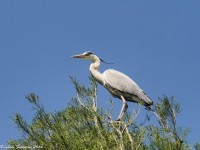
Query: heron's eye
88 53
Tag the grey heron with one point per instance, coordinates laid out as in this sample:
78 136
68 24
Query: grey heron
118 84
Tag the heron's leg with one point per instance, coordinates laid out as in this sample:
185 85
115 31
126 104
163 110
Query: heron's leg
124 108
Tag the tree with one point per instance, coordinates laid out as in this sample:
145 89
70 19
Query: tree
82 125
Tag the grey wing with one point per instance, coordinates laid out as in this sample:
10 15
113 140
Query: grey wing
123 83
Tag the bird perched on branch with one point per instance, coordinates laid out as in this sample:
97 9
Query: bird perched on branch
118 84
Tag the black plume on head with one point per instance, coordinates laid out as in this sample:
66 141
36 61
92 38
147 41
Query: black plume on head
88 53
105 62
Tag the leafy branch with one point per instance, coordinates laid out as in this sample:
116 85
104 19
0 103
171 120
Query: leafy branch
82 125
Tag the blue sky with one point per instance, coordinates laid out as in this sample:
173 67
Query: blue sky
157 43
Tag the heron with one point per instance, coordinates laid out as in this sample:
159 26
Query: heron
117 83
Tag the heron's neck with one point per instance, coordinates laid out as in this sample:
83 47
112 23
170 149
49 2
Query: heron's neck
94 69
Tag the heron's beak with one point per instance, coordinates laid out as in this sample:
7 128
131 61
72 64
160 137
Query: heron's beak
78 56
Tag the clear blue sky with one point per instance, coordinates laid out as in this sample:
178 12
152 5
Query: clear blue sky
157 43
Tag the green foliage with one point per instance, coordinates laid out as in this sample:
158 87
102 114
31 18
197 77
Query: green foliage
84 126
197 146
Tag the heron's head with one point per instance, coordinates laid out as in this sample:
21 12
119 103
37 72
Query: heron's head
87 56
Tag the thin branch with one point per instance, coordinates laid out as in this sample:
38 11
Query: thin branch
79 100
160 119
134 118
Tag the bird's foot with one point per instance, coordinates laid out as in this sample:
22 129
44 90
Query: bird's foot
117 121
